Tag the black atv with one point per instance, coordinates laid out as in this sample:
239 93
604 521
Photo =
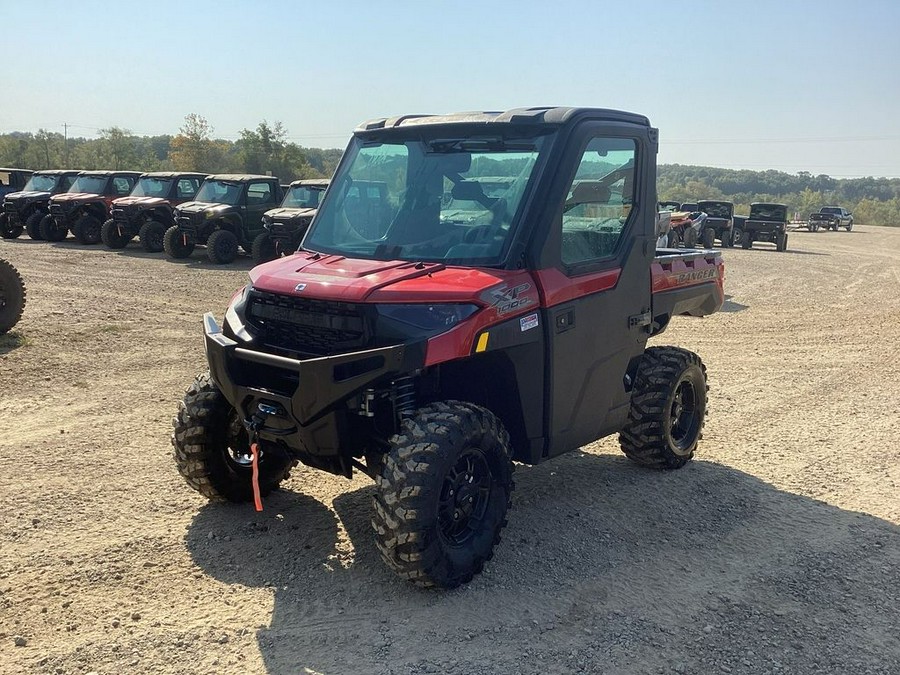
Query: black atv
24 210
226 214
286 225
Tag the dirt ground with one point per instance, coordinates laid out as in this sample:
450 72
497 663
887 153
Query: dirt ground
776 551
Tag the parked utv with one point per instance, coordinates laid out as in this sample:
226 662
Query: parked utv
149 210
286 225
12 296
766 222
430 351
669 206
24 210
719 222
11 181
85 207
227 213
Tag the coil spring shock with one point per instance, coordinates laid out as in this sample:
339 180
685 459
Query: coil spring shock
404 396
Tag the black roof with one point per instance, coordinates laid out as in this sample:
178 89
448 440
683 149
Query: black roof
174 174
556 116
110 173
61 172
240 177
784 206
317 182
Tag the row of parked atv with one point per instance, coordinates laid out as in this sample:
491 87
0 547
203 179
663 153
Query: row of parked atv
166 211
705 222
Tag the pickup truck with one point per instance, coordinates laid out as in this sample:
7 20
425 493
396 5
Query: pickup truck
429 349
830 218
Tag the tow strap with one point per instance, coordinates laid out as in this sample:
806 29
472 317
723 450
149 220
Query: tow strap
257 499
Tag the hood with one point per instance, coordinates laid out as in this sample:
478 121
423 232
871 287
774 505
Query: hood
334 277
142 201
74 197
27 196
199 207
286 213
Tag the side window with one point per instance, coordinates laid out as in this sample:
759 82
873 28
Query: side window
121 185
259 193
187 188
598 201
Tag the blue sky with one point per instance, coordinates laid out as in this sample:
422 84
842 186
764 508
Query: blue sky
790 85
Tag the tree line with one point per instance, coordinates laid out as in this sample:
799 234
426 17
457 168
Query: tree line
262 150
266 149
873 201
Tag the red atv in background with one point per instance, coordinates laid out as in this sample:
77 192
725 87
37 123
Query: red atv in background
85 207
150 209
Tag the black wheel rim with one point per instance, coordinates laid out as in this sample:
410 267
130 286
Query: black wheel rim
684 416
237 445
464 498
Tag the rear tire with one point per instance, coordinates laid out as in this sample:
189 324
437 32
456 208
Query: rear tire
442 494
33 226
87 230
709 237
111 236
746 240
151 235
51 230
781 241
672 239
222 247
690 237
8 231
668 409
737 236
174 246
12 296
212 448
263 248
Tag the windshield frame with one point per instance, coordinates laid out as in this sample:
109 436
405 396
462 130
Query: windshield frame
153 179
102 189
53 178
536 142
231 183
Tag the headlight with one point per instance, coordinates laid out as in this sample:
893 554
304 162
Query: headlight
428 318
209 214
234 313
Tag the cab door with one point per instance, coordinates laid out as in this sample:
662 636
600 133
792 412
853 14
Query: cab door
596 295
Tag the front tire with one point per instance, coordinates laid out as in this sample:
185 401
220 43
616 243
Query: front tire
12 296
222 247
668 409
151 235
8 231
111 236
174 244
443 493
212 448
690 237
33 226
263 248
87 230
51 230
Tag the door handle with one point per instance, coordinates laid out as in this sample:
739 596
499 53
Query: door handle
565 321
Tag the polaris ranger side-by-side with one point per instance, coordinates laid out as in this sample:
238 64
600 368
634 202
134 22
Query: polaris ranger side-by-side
226 214
85 207
149 210
286 225
24 210
431 348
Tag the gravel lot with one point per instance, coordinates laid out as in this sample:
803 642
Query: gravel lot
777 551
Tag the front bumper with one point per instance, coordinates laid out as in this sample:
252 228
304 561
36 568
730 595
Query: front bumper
308 395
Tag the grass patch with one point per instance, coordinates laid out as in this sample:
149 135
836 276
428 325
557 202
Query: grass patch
13 340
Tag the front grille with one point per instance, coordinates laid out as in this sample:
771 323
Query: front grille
57 211
304 325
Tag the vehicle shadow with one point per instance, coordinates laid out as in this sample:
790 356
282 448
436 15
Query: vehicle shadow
604 567
771 249
730 306
196 259
11 341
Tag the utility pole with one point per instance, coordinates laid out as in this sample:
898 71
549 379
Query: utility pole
66 144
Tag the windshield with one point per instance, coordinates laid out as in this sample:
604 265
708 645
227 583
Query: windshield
303 197
219 192
436 199
767 212
152 187
92 184
40 183
717 209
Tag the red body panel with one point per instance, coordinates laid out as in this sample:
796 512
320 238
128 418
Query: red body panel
83 197
502 294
